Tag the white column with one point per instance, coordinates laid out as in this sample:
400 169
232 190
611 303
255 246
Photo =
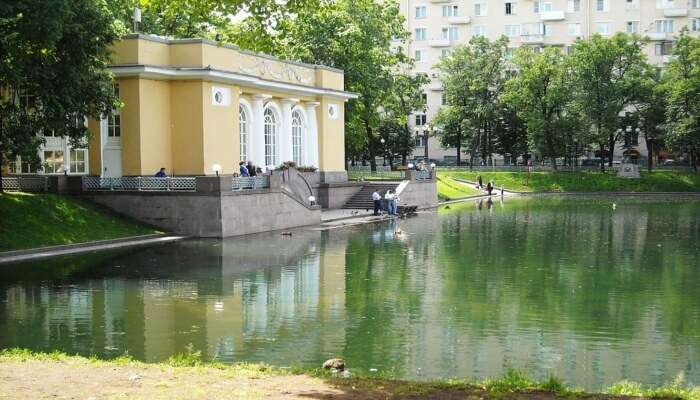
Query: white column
103 141
257 133
286 142
311 139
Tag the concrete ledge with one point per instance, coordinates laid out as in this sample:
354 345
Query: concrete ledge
53 251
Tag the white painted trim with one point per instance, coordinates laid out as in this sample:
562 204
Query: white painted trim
213 75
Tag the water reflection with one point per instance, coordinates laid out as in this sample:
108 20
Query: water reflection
556 286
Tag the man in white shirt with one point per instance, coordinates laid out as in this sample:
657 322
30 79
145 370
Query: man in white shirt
377 198
390 203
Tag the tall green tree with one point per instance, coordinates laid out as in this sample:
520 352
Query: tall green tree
650 114
473 77
683 86
53 71
541 92
366 39
453 131
608 73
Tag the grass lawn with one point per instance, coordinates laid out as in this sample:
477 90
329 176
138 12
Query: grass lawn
588 181
36 220
449 189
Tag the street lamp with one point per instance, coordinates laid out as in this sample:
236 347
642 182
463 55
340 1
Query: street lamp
382 141
216 168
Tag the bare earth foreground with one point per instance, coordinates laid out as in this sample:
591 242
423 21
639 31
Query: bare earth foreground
57 376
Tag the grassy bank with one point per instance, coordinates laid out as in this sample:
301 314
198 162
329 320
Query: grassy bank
37 220
449 189
584 181
61 374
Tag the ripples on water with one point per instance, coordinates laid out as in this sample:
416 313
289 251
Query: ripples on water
555 286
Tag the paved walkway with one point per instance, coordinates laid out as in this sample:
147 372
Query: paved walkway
44 252
334 215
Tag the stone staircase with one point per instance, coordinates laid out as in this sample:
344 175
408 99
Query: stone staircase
363 199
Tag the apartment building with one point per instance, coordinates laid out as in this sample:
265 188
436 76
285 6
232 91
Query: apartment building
438 25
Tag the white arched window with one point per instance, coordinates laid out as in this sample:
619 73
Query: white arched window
270 137
243 131
297 138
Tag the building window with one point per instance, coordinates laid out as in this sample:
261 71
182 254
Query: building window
511 8
632 4
297 137
421 119
418 55
532 29
450 33
77 161
270 137
243 129
27 99
632 27
574 5
114 119
663 48
450 11
574 29
602 28
421 34
421 12
21 167
664 4
480 9
512 30
542 6
664 26
420 141
695 24
479 30
696 3
53 162
601 5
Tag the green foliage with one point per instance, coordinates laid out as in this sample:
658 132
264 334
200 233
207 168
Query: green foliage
541 94
588 181
54 54
190 358
36 220
449 189
683 86
608 75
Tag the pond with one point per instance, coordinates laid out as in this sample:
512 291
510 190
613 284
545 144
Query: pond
564 286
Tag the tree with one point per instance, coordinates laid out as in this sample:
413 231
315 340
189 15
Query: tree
53 71
608 73
473 77
511 134
541 94
650 111
365 38
453 130
683 86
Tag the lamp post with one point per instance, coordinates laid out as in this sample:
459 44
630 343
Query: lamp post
216 168
382 141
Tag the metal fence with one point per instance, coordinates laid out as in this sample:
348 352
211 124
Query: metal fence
25 183
140 183
250 182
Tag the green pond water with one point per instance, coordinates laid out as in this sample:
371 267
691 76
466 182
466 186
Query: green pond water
551 285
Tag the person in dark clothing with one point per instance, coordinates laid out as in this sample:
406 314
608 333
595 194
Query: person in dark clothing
243 169
489 187
161 173
377 199
251 169
481 183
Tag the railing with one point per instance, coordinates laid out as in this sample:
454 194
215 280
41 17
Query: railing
376 175
25 183
140 183
423 175
250 182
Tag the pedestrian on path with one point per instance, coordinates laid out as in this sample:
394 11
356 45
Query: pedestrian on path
377 199
390 202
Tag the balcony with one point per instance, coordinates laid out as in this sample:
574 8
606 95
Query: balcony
459 20
659 36
675 12
532 39
552 16
439 43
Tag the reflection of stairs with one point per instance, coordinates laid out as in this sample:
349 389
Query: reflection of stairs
363 199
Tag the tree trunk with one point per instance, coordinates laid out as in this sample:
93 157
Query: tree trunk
602 151
403 159
459 155
611 146
694 159
554 163
650 154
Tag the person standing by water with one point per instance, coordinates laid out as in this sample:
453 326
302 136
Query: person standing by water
243 169
489 187
481 183
377 199
390 202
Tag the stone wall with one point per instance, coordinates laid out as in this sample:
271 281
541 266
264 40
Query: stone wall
335 195
421 193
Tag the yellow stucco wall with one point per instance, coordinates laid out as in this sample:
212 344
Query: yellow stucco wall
155 126
186 54
331 137
94 147
330 79
187 123
220 129
129 94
